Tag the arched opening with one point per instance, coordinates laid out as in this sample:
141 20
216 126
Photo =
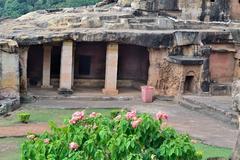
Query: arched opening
189 84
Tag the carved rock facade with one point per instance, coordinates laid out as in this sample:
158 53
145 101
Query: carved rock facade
178 47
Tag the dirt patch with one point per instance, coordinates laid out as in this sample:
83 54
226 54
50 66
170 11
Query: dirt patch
23 129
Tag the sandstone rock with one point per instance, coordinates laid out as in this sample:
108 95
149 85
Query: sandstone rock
125 3
90 22
236 95
116 23
8 105
139 4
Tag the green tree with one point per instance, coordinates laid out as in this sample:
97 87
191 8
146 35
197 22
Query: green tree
16 8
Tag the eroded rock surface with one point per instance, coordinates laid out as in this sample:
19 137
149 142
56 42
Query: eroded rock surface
113 22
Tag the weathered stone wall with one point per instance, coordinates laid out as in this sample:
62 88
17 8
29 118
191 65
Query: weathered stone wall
97 54
165 77
133 63
204 10
191 9
9 71
237 62
222 67
154 5
97 83
169 78
234 9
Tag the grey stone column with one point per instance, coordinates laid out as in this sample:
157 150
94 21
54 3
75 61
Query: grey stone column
205 75
46 77
111 69
23 58
66 71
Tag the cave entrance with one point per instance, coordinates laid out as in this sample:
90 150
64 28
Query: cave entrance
133 65
89 67
189 84
84 65
34 65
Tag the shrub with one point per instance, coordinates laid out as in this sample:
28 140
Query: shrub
23 117
124 137
115 113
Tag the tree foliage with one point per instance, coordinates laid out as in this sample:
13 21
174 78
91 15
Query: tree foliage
16 8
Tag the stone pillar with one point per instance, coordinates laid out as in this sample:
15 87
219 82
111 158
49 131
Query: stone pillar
46 67
111 69
237 62
23 57
236 107
66 70
205 73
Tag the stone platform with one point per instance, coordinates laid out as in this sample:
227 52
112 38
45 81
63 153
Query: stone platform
218 107
88 94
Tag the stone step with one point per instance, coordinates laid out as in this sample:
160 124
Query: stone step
227 117
221 89
86 98
222 111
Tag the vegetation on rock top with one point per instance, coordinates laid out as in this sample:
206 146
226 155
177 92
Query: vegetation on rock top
16 8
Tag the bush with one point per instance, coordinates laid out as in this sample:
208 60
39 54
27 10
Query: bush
96 137
24 117
115 113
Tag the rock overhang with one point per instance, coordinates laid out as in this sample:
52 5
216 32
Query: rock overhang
116 24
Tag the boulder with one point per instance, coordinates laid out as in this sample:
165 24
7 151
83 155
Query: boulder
90 22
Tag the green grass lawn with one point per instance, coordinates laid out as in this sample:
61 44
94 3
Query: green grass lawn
212 151
41 115
10 147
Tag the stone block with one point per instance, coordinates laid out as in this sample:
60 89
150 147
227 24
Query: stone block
110 92
111 69
66 73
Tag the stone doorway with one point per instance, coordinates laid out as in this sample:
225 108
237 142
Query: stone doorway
189 85
34 66
84 65
133 65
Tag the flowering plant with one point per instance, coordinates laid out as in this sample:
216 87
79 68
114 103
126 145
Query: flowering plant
128 136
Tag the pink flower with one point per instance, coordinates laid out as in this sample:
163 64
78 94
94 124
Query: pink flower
46 141
73 146
135 123
93 114
74 120
78 115
131 115
161 116
71 121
